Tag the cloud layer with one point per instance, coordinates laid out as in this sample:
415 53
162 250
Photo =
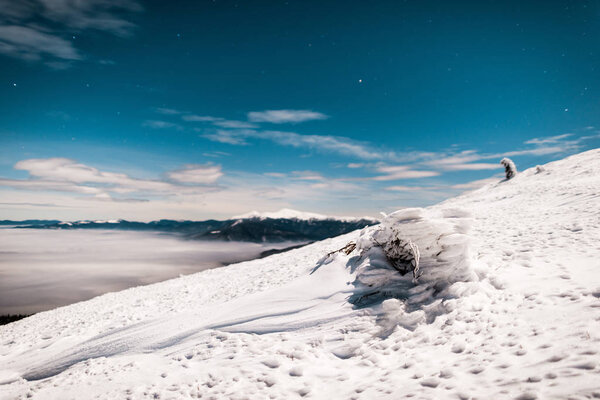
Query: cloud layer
66 175
285 116
34 30
368 179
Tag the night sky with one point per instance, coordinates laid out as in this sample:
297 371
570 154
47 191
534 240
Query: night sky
201 109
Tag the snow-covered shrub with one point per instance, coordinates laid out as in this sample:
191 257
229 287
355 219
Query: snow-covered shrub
434 240
509 167
402 253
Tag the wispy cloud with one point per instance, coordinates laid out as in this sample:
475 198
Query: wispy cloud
238 132
234 124
32 44
168 111
158 124
197 174
308 175
66 175
228 137
35 29
400 188
397 172
548 139
217 121
297 175
469 166
542 146
321 143
285 116
538 151
462 161
216 154
200 118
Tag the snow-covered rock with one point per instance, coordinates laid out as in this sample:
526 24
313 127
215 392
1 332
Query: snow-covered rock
507 305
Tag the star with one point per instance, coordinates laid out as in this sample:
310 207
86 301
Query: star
360 81
14 85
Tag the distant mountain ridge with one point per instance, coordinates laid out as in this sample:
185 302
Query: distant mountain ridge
256 229
29 222
286 213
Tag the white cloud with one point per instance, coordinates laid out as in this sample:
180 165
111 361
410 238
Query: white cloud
462 161
458 158
42 29
216 154
396 172
200 118
233 124
228 137
31 44
168 111
198 174
307 175
546 146
297 175
333 144
400 188
275 174
549 139
590 137
40 185
538 151
285 116
469 166
355 165
217 121
157 124
66 175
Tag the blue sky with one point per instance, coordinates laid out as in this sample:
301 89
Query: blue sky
200 109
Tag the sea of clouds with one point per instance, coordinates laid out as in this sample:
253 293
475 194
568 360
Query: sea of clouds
44 269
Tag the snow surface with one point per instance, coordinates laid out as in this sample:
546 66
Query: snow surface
507 306
286 213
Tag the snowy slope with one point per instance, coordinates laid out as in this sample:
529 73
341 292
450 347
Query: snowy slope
507 306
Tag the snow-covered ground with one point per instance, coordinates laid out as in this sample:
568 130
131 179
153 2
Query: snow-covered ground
507 305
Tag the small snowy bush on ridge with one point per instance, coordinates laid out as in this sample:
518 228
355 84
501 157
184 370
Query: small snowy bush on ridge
509 168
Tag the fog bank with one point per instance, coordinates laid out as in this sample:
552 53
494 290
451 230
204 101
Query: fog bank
45 269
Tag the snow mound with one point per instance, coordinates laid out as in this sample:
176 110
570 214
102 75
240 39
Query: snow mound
445 267
443 242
